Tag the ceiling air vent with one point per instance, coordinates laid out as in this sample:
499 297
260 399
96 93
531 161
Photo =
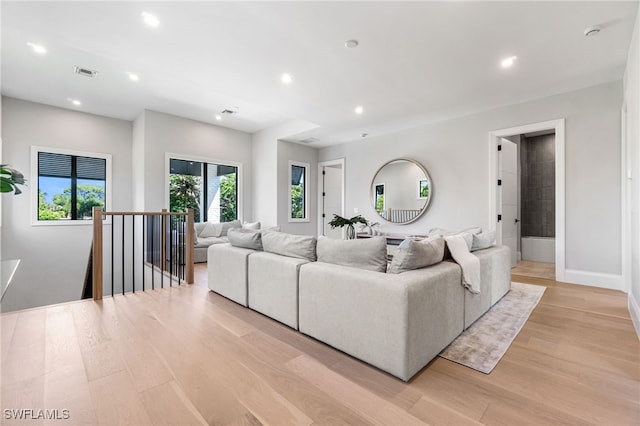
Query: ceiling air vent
85 72
310 140
230 111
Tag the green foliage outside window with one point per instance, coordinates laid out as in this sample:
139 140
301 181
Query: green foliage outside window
88 197
228 201
297 201
379 202
184 193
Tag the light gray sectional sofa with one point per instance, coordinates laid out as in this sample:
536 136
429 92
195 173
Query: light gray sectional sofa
396 322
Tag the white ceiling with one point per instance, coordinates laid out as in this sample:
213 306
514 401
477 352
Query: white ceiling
417 62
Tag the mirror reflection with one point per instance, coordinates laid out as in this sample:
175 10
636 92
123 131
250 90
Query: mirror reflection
401 191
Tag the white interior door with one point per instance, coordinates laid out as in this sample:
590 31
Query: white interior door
508 196
331 199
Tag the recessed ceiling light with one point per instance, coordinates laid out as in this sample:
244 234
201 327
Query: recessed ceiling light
150 20
359 109
351 44
74 101
218 117
133 77
286 78
38 48
508 62
591 31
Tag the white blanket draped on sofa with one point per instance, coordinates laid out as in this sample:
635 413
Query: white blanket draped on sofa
469 263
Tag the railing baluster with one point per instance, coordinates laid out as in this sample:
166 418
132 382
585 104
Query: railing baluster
153 247
122 264
170 251
113 225
142 247
133 253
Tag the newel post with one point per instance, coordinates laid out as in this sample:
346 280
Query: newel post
190 245
96 267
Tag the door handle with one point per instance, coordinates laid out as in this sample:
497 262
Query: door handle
517 220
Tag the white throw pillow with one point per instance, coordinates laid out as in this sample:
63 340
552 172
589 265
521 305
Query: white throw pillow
417 254
483 241
211 230
365 253
300 246
228 225
254 226
246 238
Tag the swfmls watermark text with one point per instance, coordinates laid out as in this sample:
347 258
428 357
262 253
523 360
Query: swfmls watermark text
36 414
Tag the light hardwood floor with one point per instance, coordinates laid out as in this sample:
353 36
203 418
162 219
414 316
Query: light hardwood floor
185 356
535 269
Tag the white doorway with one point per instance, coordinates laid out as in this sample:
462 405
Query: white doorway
504 220
331 195
508 196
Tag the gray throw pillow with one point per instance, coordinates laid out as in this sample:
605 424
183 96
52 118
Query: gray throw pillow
246 238
228 225
251 225
483 241
300 246
365 253
417 254
211 230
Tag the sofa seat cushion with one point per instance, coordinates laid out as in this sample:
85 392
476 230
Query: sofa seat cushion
227 271
273 286
366 253
204 242
290 245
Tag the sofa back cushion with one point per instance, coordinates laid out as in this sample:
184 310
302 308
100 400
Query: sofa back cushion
229 225
365 253
417 254
254 226
245 238
300 246
483 240
208 229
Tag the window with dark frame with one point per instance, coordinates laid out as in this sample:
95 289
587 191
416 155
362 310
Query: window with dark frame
298 195
69 186
193 184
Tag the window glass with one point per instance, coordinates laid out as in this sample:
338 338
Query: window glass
69 186
298 192
211 190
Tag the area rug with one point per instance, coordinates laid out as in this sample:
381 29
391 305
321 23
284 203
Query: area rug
483 344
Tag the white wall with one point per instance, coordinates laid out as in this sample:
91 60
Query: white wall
631 97
167 133
265 176
137 152
54 258
269 192
288 151
455 154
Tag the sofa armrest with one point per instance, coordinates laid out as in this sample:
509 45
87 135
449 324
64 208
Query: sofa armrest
396 322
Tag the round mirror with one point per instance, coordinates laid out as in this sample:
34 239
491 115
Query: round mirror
401 191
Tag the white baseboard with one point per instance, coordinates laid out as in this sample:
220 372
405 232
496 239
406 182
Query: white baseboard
634 310
594 279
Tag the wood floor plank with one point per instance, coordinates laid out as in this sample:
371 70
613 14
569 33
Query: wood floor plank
168 405
67 388
116 401
365 403
435 413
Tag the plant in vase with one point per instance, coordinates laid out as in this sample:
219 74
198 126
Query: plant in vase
10 179
340 222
